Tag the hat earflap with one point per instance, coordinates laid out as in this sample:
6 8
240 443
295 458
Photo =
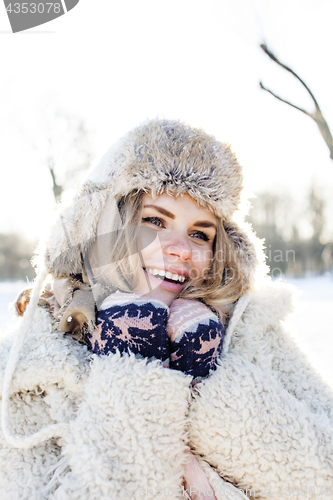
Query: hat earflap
74 232
246 247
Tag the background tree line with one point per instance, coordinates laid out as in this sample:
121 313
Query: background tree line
298 241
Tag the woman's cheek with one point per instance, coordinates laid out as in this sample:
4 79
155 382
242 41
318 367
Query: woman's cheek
202 260
149 241
152 253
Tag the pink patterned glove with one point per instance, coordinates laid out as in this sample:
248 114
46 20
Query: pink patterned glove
196 336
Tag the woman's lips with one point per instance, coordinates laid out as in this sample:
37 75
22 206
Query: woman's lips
166 285
176 276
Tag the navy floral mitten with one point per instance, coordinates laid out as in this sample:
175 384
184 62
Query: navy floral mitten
129 322
196 336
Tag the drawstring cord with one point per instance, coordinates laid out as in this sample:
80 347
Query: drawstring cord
237 314
53 430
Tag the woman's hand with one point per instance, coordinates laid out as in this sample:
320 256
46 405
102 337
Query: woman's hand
196 336
196 483
130 322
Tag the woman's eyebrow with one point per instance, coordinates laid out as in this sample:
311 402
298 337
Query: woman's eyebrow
161 210
204 223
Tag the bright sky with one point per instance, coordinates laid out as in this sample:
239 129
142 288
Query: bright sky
116 63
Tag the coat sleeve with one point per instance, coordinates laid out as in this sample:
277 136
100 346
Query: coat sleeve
262 337
264 418
258 435
47 383
128 438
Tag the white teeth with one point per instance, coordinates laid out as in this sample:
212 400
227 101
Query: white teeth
167 274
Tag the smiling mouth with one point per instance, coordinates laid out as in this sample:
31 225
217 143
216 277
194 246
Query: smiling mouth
166 275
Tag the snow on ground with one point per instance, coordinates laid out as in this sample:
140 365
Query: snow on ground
311 324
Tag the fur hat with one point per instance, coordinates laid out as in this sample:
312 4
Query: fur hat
157 156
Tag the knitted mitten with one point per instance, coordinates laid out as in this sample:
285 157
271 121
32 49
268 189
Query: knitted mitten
129 322
196 336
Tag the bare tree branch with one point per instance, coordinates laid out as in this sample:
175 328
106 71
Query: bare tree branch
317 115
283 100
287 68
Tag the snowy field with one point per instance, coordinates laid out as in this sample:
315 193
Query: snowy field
311 324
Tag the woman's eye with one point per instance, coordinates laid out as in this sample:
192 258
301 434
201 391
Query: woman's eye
156 221
200 236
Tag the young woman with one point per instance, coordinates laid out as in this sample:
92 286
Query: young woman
188 380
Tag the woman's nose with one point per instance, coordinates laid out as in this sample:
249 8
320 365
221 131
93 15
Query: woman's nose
178 247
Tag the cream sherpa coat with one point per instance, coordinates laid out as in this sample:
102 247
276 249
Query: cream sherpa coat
79 426
262 421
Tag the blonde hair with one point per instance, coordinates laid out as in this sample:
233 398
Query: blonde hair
223 283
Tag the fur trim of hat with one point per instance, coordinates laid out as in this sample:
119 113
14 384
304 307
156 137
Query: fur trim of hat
158 156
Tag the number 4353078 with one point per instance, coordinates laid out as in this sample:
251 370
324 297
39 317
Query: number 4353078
32 8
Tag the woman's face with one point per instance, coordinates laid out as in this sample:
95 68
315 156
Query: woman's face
176 238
